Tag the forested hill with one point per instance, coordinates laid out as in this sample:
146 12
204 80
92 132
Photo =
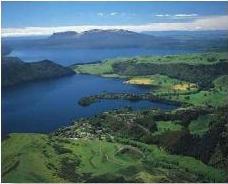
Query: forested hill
15 71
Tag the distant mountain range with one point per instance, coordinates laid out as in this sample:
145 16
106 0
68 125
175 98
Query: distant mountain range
96 38
190 34
118 38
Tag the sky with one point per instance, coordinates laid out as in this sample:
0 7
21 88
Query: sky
43 18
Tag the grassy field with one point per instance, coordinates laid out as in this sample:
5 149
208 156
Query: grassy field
95 69
163 84
105 67
178 90
28 157
140 81
164 126
39 158
201 125
205 58
217 96
23 159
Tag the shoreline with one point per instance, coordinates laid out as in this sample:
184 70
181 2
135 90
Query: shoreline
86 101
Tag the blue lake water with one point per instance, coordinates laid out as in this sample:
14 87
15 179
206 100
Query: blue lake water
45 106
71 56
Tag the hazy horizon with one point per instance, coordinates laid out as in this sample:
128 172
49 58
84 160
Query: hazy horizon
132 16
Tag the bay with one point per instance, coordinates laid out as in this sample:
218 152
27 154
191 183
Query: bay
45 106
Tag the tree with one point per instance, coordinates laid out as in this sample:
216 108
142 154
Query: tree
187 97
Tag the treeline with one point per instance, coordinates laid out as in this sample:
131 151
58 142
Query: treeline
86 101
211 148
201 74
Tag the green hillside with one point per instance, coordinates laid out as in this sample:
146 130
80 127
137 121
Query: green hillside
41 158
187 144
196 79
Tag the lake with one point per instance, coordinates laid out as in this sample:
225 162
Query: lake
71 56
45 106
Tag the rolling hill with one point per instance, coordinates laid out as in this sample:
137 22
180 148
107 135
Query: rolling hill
15 71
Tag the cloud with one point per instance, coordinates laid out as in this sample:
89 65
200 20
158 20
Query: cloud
108 14
162 15
206 23
177 15
114 13
186 15
100 14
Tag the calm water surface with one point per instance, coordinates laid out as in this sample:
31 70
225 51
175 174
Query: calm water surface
45 106
71 56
